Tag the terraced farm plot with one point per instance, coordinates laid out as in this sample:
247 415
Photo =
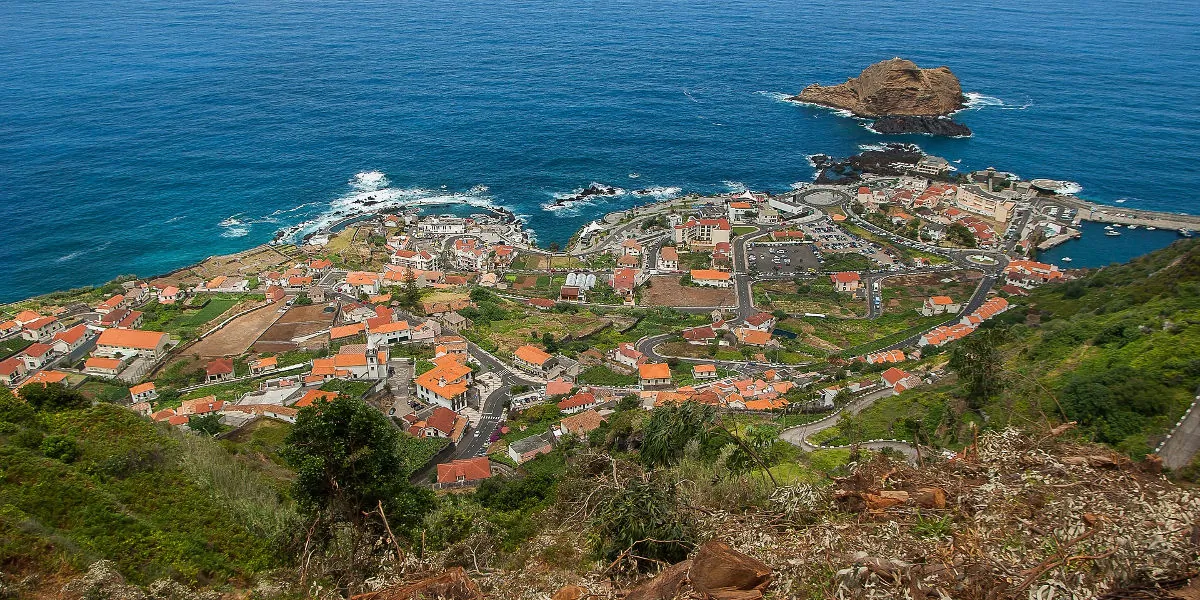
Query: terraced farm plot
511 334
236 337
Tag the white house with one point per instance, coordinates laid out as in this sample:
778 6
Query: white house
668 259
711 278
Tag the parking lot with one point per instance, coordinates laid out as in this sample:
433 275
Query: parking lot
831 238
782 258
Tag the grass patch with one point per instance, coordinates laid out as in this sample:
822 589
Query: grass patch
12 346
354 389
138 494
602 375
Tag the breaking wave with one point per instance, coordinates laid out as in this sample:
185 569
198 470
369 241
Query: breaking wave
571 203
979 101
369 180
370 193
778 97
1069 188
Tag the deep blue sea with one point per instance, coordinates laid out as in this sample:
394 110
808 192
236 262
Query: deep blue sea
129 131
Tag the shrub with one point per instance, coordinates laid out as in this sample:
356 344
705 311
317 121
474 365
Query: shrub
60 447
642 524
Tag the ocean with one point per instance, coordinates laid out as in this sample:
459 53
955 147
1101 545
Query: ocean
141 137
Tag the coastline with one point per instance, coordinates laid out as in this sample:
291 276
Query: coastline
1088 210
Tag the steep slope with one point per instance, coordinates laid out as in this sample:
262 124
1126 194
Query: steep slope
103 483
1117 350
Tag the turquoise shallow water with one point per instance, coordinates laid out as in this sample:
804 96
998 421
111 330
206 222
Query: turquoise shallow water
129 132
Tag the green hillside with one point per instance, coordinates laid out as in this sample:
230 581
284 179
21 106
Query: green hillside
102 482
1117 350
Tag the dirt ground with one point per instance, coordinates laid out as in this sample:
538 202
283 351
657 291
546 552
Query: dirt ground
299 321
236 337
914 289
665 290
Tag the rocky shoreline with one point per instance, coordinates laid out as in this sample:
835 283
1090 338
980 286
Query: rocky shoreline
890 159
901 124
591 191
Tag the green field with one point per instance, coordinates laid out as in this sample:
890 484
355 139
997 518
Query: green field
12 346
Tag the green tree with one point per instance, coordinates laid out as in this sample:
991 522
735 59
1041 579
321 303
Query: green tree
60 447
979 365
410 296
209 424
347 461
53 397
961 235
671 428
644 524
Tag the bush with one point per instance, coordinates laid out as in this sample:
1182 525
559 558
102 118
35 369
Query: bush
641 524
60 447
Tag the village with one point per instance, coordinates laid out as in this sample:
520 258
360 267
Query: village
492 351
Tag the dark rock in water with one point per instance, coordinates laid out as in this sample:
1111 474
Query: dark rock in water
888 159
897 124
592 190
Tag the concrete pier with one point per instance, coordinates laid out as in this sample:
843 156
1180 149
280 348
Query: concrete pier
1100 213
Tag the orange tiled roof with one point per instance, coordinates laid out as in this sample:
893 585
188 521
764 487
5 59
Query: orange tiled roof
315 396
97 362
532 355
654 371
345 331
131 338
709 274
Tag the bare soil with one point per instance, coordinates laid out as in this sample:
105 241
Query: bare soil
665 290
297 322
236 337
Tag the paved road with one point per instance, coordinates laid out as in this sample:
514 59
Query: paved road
492 409
1179 448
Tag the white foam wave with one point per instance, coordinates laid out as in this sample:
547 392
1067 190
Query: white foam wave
690 96
841 112
235 232
174 219
1069 188
979 101
572 203
616 191
882 147
660 193
369 180
811 158
66 257
734 186
634 175
371 195
778 96
799 185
